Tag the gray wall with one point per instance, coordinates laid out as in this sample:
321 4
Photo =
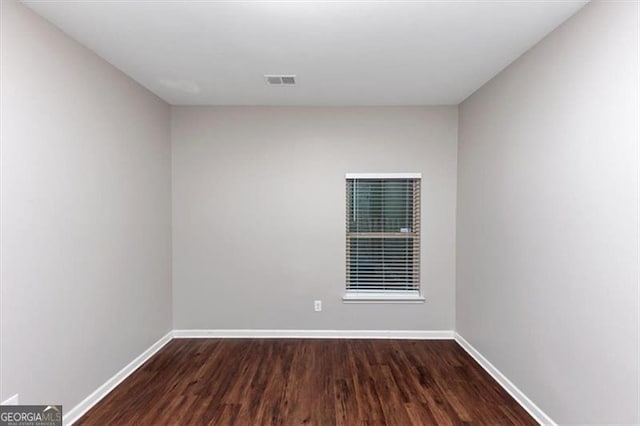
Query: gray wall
86 242
259 213
547 274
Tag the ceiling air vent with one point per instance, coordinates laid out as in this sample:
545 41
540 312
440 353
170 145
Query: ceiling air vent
280 80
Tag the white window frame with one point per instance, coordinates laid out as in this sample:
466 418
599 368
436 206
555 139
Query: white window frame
364 296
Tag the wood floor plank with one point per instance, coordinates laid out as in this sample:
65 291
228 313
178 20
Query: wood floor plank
298 381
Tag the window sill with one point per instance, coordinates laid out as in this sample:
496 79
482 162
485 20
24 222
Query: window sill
371 297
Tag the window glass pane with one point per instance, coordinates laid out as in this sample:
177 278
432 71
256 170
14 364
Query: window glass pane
380 206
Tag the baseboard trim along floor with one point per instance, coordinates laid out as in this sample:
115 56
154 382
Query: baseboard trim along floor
522 399
317 334
11 401
75 413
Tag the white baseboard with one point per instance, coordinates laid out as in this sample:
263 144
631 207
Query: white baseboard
317 334
11 401
79 410
76 412
522 399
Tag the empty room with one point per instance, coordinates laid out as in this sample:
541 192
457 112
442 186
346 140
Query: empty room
319 212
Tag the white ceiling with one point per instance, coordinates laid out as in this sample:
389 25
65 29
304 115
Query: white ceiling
343 53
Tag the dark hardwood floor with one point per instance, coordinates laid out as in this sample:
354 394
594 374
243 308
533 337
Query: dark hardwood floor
320 382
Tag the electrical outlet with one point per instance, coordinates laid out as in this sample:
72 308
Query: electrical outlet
317 305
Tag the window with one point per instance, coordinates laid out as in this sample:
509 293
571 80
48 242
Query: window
383 237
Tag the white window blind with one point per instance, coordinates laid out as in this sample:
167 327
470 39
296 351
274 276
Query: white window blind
383 233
